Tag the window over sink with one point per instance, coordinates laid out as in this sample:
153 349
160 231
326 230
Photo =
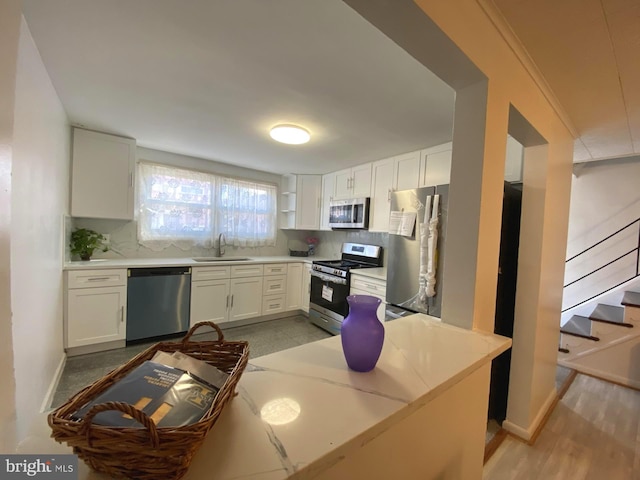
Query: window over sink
182 207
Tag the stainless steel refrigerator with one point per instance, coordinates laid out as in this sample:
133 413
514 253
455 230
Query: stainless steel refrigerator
407 252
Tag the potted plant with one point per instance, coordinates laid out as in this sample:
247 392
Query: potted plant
85 241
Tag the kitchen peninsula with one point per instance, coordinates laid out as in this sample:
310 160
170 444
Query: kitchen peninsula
302 414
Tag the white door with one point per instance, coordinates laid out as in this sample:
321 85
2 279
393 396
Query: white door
306 286
436 165
308 202
96 315
361 183
210 301
294 286
102 180
246 298
381 187
343 184
328 190
406 174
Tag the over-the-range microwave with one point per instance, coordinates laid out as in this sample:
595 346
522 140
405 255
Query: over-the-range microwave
351 213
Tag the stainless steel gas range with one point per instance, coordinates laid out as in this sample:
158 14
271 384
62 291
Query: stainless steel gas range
330 284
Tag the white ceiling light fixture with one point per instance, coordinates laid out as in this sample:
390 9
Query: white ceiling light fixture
290 134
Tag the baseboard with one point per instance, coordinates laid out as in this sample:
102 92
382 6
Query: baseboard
53 386
623 381
528 434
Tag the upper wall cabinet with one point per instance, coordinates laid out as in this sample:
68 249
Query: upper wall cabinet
102 175
300 202
328 191
435 167
353 182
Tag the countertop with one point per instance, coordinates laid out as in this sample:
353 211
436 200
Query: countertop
101 263
300 411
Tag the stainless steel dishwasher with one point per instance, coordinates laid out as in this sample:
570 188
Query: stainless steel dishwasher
158 301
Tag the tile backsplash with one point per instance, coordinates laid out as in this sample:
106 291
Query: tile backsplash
124 242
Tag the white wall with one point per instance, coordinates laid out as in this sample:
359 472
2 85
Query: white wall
39 199
605 196
124 240
10 14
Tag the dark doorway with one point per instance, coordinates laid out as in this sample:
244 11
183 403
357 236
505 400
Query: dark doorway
505 297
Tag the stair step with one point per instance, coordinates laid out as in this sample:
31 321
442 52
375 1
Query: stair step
609 314
631 299
579 326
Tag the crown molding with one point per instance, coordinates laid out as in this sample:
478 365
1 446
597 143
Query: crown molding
504 29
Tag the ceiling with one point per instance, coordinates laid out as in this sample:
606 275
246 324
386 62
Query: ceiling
587 50
209 78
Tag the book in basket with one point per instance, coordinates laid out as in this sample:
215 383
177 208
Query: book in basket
170 396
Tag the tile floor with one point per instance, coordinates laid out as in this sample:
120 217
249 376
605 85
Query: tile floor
264 338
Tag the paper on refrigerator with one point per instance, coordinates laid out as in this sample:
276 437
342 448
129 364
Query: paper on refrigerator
402 223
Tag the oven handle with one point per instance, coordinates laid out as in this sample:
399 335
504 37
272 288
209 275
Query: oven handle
328 278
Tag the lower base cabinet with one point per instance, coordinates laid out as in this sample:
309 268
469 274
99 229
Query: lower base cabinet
361 285
95 307
96 315
210 301
246 298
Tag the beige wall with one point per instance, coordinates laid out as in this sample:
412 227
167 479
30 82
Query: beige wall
545 207
39 200
10 13
461 41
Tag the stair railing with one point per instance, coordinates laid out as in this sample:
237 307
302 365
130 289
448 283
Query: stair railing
636 250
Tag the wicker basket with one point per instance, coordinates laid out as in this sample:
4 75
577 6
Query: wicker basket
148 453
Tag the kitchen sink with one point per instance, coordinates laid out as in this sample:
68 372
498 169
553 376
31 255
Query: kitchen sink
221 259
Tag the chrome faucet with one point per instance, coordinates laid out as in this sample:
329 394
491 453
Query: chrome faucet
221 239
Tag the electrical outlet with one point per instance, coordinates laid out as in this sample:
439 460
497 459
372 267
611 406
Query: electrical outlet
107 238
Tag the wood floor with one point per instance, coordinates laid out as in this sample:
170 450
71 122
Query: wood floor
593 433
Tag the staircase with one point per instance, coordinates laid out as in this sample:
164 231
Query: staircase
606 343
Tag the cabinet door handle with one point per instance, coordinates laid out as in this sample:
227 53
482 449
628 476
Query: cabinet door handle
131 179
227 301
97 279
231 301
122 314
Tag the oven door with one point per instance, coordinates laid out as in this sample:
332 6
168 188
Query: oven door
330 292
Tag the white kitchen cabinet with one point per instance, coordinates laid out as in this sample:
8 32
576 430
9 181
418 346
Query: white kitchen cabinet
435 166
328 192
362 285
382 173
406 171
300 202
246 298
210 301
294 286
210 294
353 182
306 286
102 177
95 307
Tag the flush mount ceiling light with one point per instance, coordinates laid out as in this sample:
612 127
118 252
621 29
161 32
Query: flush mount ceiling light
291 134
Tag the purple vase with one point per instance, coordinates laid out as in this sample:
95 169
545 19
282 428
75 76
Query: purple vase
362 333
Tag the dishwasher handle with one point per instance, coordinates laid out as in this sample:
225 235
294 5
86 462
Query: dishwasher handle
157 271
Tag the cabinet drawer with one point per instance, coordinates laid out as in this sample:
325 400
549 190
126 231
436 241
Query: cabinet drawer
96 278
373 286
275 269
210 273
273 304
238 271
275 285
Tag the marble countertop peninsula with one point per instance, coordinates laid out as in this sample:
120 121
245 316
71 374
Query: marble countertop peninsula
301 411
